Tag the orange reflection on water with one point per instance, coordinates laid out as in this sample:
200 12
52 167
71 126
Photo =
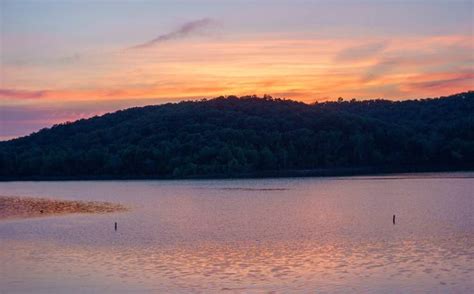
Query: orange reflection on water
245 267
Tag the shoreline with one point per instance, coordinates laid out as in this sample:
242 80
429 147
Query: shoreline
301 173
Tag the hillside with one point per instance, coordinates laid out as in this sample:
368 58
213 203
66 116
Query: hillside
250 136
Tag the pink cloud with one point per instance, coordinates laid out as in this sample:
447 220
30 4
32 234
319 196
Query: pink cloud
21 94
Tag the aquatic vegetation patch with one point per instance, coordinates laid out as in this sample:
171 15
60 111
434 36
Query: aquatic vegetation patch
25 207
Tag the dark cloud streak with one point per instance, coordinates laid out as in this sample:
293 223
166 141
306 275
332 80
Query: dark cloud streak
467 77
183 31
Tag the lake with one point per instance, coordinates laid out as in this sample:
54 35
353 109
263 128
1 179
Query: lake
247 235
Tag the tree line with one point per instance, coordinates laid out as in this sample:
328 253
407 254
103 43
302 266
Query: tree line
231 136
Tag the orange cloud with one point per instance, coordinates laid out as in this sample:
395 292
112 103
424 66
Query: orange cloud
298 68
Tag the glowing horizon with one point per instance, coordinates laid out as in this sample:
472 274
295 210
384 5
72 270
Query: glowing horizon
71 61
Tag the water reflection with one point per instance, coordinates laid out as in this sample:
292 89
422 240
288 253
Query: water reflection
428 265
251 236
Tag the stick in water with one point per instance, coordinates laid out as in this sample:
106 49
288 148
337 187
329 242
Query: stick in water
394 219
116 226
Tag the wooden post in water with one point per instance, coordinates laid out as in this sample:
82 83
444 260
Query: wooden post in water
116 226
394 219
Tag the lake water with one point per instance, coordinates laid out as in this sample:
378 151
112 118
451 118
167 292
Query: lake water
251 236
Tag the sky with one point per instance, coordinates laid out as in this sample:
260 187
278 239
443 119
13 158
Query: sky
65 60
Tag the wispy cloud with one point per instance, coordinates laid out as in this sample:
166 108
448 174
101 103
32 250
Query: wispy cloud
183 31
381 68
361 52
21 94
61 60
451 80
432 55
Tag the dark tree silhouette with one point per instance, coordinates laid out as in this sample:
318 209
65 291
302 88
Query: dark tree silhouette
246 136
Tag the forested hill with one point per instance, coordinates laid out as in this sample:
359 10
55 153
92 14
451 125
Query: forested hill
250 136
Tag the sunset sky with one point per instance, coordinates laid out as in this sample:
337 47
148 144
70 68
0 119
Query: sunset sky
64 60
